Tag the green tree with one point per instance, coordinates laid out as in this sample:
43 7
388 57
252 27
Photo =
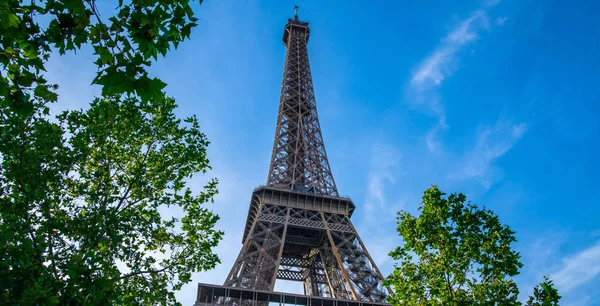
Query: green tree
544 294
455 253
83 194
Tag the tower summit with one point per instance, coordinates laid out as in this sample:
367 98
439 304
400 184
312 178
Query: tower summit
299 161
298 227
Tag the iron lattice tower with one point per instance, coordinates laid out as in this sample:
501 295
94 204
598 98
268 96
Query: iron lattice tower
298 227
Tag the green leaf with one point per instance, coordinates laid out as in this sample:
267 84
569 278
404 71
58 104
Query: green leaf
9 20
454 253
84 189
104 55
43 92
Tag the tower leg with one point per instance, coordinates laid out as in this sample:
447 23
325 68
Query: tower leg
345 279
312 279
362 271
257 264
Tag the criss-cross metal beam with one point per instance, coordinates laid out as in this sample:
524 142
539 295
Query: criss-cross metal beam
299 161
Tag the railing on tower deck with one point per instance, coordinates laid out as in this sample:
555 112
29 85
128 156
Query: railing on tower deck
212 295
305 192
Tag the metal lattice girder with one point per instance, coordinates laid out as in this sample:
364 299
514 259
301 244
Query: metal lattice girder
361 272
258 261
307 262
314 242
210 295
299 161
297 200
299 276
326 255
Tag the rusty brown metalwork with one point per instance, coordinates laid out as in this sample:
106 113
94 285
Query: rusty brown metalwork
298 227
299 161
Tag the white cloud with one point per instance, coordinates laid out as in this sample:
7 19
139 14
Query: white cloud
501 20
384 160
443 62
539 252
541 256
432 139
379 210
578 269
491 142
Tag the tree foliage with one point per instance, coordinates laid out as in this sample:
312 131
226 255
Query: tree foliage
455 253
544 294
83 195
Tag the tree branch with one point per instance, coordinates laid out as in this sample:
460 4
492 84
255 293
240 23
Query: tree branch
124 197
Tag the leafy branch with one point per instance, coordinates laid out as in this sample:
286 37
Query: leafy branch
82 194
452 240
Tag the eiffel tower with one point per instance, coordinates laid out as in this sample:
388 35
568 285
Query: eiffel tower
298 226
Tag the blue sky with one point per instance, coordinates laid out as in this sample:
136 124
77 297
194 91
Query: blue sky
495 99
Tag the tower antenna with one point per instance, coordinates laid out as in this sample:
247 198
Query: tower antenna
296 12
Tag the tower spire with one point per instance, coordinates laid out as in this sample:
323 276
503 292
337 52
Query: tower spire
296 12
299 161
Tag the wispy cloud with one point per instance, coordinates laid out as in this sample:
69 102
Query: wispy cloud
491 142
377 228
540 253
578 269
501 20
431 139
385 160
443 62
